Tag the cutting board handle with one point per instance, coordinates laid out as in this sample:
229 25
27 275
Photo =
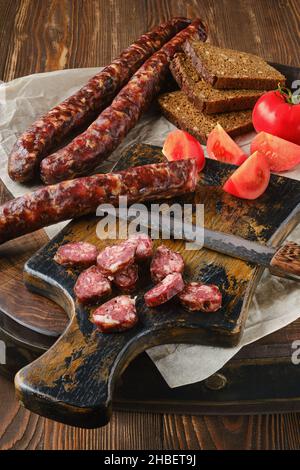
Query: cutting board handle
286 261
74 380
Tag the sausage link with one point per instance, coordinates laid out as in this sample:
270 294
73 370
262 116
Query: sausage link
91 99
86 151
82 196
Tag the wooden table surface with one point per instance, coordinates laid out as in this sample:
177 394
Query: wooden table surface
44 35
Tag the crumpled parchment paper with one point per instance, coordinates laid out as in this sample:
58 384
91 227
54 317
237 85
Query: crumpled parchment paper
276 302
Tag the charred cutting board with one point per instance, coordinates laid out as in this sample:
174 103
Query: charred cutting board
73 381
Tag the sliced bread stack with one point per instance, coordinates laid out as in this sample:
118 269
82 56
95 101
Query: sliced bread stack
217 86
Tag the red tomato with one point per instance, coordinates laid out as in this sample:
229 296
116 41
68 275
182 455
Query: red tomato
180 145
275 113
251 179
281 154
220 146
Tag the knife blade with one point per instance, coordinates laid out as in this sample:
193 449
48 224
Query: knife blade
283 261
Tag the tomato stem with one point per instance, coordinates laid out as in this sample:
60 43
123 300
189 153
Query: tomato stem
287 94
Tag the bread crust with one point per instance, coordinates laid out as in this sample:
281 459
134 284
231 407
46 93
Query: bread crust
223 82
219 105
178 121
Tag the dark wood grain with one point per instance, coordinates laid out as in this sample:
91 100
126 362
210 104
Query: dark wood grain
259 432
125 431
8 11
38 41
20 429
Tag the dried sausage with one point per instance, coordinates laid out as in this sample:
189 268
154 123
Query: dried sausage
82 196
165 262
86 151
116 315
127 279
80 108
91 286
198 296
144 246
77 255
116 258
170 286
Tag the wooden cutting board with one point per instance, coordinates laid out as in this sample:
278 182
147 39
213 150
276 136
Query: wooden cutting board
74 381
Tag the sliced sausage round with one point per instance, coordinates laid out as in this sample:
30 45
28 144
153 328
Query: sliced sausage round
91 286
170 286
144 246
197 296
77 254
126 280
116 315
116 258
165 262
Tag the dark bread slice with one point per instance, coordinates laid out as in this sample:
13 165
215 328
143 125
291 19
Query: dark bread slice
226 68
203 95
177 108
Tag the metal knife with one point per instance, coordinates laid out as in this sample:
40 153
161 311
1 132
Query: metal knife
283 261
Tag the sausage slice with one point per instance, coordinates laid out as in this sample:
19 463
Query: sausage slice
116 258
126 280
91 286
165 262
76 254
198 296
118 314
170 286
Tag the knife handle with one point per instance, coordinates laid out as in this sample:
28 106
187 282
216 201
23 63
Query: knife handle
287 260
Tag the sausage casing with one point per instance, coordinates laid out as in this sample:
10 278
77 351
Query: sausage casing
86 103
82 155
81 196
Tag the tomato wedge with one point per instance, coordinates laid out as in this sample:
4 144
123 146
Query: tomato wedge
281 154
222 147
180 145
251 179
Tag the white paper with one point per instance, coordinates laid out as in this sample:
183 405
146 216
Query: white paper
276 302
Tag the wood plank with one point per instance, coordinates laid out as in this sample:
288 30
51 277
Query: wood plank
63 31
19 429
269 30
8 9
126 431
258 432
56 34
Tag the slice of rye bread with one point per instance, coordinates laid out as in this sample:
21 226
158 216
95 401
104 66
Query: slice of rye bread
177 108
203 95
226 68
